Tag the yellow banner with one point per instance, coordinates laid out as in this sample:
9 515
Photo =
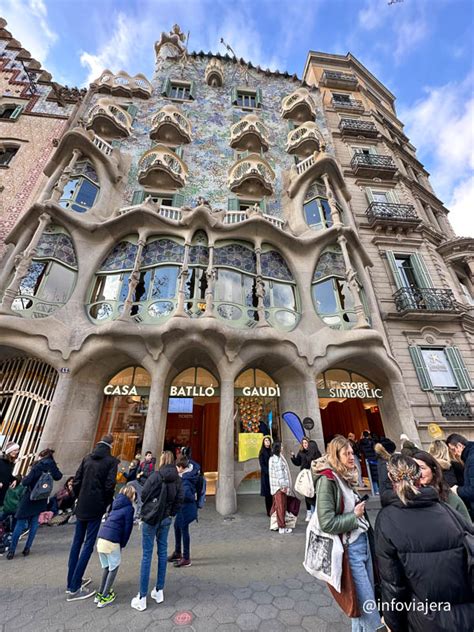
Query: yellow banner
249 445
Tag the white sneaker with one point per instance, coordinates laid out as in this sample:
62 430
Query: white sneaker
308 515
139 603
157 595
288 530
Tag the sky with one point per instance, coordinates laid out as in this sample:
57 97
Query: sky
422 50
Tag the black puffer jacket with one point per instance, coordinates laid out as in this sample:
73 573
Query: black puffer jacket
27 507
422 558
304 457
94 483
168 475
6 476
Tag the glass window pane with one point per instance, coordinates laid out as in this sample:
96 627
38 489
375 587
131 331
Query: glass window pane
186 378
380 196
164 282
143 285
59 284
107 288
283 296
205 378
68 192
345 295
311 211
324 297
334 377
229 287
438 367
326 211
124 377
263 379
247 378
29 285
86 194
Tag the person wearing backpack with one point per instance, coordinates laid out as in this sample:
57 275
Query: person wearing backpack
39 486
189 472
162 496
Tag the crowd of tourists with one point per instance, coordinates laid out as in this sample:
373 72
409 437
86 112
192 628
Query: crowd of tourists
414 570
415 567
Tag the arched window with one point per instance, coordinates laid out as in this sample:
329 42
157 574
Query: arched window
332 296
81 191
155 294
51 276
235 297
196 282
316 208
280 298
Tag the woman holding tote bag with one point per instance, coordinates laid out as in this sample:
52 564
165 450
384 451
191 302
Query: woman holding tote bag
337 547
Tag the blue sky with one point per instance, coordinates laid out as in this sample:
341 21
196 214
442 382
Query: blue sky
421 49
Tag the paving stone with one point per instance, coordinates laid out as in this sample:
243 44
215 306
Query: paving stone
284 603
289 617
258 586
298 594
248 621
278 590
225 615
313 624
293 583
246 605
262 597
204 609
272 626
306 608
242 593
228 627
329 614
267 612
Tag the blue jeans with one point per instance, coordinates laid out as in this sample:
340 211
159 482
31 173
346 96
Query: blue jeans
149 533
85 536
360 562
22 524
182 532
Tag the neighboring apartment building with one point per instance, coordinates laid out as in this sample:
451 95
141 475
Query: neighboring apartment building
34 113
199 261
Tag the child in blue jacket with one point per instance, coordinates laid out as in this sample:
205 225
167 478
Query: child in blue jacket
113 536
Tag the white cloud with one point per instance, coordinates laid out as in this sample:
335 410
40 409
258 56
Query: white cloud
441 125
28 23
409 34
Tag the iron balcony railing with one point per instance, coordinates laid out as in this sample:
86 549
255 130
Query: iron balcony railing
363 128
334 76
425 299
454 406
374 161
391 212
352 104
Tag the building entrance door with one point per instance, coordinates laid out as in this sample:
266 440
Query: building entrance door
348 403
193 419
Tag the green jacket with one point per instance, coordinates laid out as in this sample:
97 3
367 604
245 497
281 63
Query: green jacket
12 499
456 503
328 506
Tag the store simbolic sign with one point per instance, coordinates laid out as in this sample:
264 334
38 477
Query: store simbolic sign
123 389
360 390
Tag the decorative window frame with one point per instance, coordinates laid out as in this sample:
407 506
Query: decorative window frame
238 92
169 83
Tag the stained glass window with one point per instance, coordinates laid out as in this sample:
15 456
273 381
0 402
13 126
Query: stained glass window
236 256
121 257
331 263
316 189
55 245
199 255
162 251
274 266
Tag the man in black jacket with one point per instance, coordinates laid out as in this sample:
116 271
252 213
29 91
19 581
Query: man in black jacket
464 449
94 486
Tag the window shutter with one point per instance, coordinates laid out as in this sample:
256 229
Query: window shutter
233 204
166 87
179 151
192 90
263 205
178 200
138 197
258 98
291 125
420 270
420 368
368 193
234 96
16 112
393 265
132 110
392 196
459 368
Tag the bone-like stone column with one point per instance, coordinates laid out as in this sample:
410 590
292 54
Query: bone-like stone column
354 287
58 188
155 423
226 498
335 215
133 280
53 427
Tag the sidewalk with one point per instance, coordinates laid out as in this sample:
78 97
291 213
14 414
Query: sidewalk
243 577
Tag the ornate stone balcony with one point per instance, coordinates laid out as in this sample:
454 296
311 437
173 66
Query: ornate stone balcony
355 127
160 168
414 299
249 134
122 84
338 79
350 105
109 120
455 407
214 73
235 217
373 166
251 176
298 106
392 214
305 140
169 125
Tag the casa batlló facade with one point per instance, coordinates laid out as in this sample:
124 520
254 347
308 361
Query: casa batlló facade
220 245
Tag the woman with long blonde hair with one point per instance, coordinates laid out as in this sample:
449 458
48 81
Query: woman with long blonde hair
453 470
341 512
421 555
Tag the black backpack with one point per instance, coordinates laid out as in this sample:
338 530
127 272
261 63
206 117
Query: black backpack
154 505
43 487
